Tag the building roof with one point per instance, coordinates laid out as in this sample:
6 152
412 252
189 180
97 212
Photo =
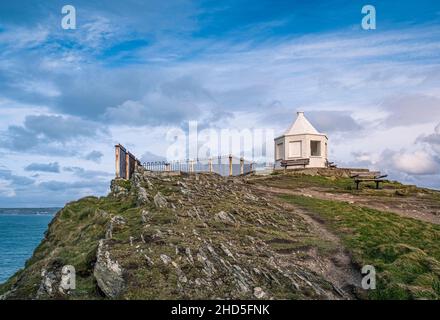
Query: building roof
301 126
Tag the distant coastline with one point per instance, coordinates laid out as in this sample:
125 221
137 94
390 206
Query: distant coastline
34 211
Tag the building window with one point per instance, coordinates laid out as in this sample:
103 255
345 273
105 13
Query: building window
279 151
295 149
315 148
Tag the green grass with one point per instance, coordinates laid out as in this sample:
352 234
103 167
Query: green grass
347 185
404 251
71 239
302 181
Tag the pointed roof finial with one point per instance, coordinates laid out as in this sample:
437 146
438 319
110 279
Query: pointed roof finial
301 126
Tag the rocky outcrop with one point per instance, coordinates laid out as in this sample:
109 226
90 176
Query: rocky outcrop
57 281
142 196
115 222
160 201
177 236
48 284
118 188
108 273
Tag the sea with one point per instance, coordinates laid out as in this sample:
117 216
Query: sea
21 231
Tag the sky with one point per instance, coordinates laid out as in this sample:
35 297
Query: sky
132 71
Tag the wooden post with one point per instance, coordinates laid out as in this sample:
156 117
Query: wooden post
210 164
220 165
117 161
241 166
127 166
230 165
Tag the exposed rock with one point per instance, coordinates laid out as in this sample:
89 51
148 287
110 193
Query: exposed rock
116 221
142 196
165 259
149 184
223 217
149 261
48 283
227 251
145 216
259 293
117 189
182 184
56 281
158 236
189 255
160 201
6 295
251 197
108 273
208 266
210 237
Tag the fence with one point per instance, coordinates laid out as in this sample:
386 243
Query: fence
224 165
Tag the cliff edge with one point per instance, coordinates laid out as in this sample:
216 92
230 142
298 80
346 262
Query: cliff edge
203 236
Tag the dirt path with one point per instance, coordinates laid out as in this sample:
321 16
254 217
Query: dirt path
337 268
409 208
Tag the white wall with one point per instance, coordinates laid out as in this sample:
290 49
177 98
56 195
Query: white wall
315 161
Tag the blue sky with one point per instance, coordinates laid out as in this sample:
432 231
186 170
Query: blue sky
133 70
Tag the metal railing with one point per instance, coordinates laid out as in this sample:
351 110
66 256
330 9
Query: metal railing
227 165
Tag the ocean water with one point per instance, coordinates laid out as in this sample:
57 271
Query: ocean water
21 230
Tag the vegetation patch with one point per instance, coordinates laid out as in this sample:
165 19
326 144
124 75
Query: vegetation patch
404 251
346 185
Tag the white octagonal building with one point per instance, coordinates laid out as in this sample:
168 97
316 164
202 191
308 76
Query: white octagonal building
301 146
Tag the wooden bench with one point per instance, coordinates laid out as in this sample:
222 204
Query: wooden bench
367 176
330 165
295 162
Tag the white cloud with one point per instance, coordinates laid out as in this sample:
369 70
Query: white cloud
416 163
20 38
6 190
44 88
410 109
432 140
343 76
